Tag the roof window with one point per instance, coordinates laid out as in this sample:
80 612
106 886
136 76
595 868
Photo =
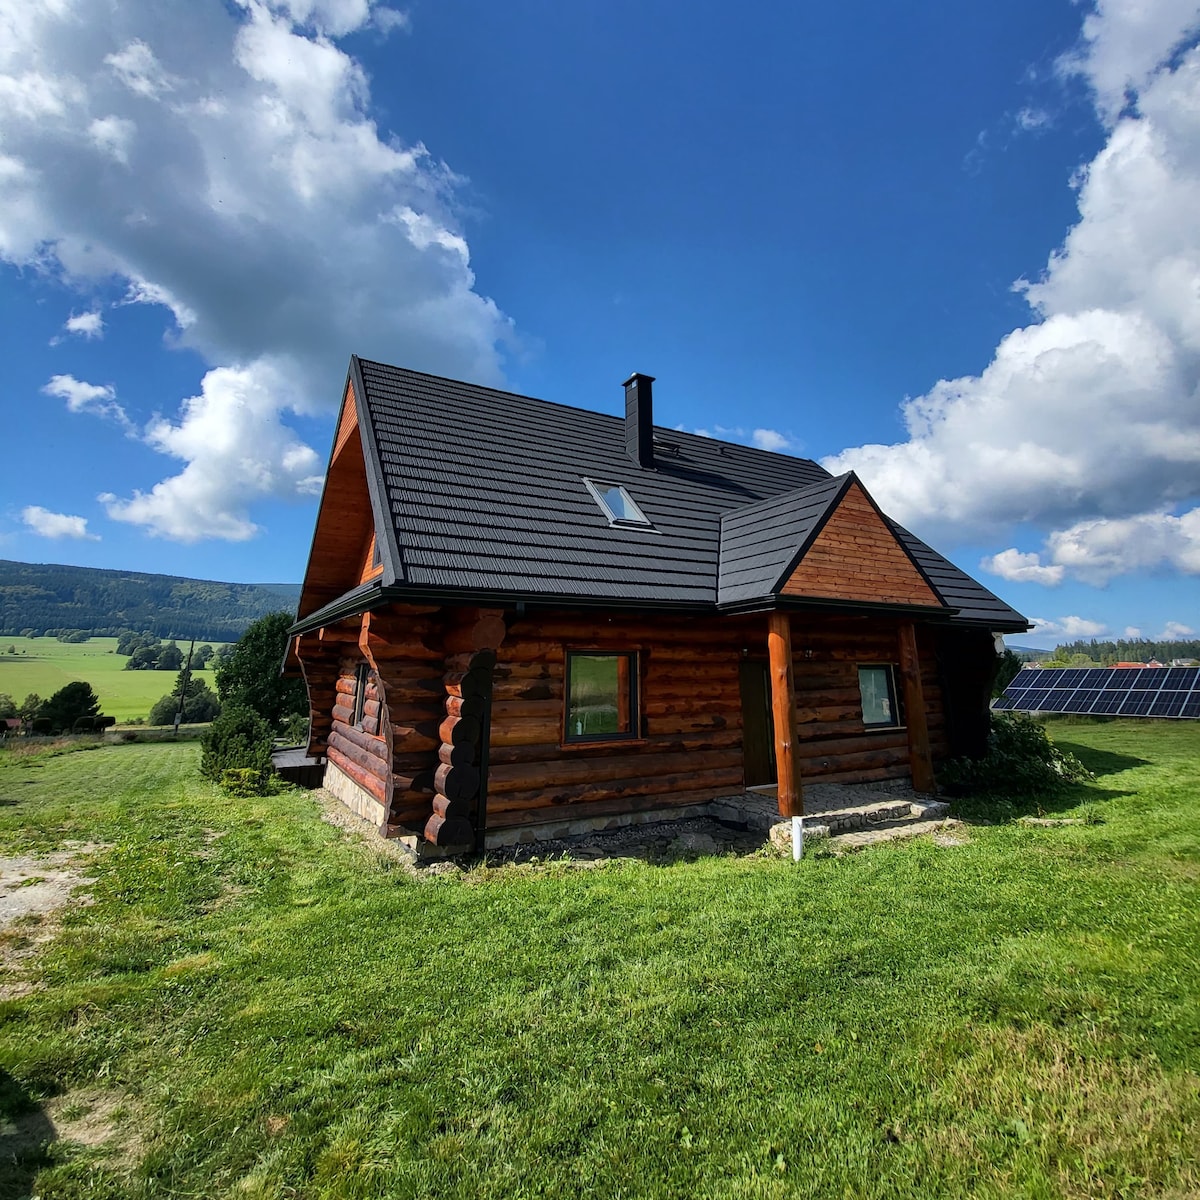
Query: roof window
616 503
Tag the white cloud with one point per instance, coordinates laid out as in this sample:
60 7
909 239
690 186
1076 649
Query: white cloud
770 439
764 439
140 71
1069 628
1124 43
1091 415
98 399
114 136
1175 631
1132 631
236 451
1097 551
56 525
86 324
1021 568
222 162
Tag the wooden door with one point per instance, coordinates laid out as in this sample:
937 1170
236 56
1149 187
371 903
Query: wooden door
758 727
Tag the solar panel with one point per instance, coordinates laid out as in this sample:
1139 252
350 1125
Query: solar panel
1169 692
1168 704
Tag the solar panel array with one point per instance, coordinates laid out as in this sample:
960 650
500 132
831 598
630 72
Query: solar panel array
1106 691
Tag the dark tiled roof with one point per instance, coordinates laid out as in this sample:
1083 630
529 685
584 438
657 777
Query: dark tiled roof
759 542
485 495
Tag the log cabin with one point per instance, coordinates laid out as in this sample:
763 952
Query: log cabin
519 617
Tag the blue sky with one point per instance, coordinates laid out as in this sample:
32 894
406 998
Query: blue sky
952 247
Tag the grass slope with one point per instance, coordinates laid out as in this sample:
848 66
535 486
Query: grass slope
278 1012
44 665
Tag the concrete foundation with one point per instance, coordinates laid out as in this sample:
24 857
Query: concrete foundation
356 799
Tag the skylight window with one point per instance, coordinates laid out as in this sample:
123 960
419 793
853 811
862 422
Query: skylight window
616 503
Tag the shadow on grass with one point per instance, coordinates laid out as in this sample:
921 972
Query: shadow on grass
1102 762
994 808
25 1136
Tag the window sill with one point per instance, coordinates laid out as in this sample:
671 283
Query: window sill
591 744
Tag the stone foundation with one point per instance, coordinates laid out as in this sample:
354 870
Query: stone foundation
356 799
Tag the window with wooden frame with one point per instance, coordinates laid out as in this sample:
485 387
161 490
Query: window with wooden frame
877 689
601 696
361 674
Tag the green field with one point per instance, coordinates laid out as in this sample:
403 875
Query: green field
256 1005
44 665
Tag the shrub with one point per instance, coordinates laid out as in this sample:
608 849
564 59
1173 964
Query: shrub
245 781
238 740
295 728
1020 761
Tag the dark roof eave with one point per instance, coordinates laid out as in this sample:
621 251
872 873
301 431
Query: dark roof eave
365 599
794 603
358 600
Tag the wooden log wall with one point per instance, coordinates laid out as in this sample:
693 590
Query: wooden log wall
418 748
404 644
360 751
690 749
832 742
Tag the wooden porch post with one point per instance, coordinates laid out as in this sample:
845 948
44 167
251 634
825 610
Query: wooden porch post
919 756
783 708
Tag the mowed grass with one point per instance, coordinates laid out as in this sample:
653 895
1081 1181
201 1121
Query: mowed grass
43 665
276 1011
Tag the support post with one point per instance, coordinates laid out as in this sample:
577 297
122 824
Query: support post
920 758
783 709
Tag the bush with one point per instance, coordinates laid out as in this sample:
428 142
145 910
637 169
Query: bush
244 782
295 728
238 740
1020 761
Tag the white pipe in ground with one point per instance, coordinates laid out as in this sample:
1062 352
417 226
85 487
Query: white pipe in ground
797 838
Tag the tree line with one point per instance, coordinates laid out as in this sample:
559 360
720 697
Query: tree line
1124 650
39 599
247 677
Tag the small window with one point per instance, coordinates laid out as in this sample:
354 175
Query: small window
601 696
877 687
360 692
376 557
616 503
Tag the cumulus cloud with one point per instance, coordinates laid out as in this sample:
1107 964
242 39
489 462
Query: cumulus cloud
1066 627
1175 631
236 451
86 325
1022 568
1097 551
56 525
221 162
1086 423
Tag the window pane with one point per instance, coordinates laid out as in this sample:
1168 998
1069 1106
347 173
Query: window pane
873 684
598 704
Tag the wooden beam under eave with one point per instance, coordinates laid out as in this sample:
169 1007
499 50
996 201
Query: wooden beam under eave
783 708
919 756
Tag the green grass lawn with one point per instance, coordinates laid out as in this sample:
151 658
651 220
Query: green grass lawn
44 665
279 1012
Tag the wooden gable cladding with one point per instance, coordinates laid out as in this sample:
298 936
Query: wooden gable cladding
343 544
856 557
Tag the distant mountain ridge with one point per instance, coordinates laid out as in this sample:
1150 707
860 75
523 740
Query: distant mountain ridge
45 597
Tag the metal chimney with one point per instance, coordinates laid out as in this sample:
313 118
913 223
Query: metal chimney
639 419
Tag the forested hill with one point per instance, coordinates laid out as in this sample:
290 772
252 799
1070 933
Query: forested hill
47 598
